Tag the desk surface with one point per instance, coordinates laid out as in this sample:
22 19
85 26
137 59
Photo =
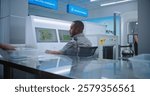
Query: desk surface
83 68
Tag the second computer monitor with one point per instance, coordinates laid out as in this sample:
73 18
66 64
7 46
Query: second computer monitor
64 35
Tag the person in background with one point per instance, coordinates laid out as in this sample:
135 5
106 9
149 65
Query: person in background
6 47
78 40
136 44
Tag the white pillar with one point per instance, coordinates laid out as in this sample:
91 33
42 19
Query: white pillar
12 20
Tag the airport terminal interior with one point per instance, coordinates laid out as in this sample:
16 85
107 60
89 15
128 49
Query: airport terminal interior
117 29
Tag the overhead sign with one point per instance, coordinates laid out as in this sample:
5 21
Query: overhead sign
76 10
52 4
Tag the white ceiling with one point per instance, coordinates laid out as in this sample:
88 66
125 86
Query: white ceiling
87 4
82 3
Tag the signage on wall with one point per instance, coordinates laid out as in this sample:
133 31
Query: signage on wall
52 4
76 10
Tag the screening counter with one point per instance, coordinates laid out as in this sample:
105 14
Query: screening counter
65 67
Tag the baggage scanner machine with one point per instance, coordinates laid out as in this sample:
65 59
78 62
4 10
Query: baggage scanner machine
108 40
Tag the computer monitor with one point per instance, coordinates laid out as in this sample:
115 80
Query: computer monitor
46 35
64 35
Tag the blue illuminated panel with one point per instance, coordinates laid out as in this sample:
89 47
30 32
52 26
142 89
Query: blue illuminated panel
76 10
52 4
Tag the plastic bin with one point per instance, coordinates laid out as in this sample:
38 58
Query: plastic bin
141 66
23 52
145 58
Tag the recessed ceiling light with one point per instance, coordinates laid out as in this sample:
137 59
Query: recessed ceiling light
92 0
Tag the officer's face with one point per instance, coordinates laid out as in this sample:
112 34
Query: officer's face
72 30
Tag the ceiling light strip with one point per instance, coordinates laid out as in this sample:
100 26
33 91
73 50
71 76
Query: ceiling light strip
117 2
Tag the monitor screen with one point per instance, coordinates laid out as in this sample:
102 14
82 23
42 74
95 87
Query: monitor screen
46 35
64 35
